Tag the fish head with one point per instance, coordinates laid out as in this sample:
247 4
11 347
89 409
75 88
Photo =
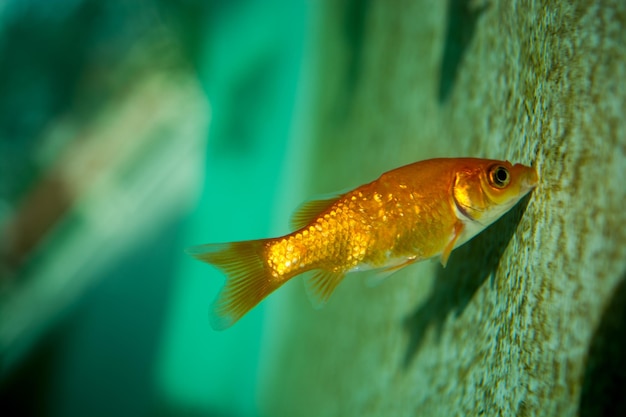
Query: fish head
486 190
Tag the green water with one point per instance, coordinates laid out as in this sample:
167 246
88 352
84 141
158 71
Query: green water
133 337
130 131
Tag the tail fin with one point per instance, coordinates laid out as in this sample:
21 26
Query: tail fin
247 280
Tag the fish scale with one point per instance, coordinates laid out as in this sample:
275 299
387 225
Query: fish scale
415 212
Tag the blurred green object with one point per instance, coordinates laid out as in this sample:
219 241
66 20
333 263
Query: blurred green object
109 133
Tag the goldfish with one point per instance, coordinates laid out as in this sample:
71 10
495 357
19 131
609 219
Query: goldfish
418 211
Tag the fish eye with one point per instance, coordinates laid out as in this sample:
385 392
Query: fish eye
499 176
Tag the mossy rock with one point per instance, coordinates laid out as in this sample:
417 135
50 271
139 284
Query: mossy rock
528 318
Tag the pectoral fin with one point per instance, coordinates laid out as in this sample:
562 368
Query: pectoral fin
458 229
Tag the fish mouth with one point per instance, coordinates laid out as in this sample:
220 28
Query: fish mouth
530 180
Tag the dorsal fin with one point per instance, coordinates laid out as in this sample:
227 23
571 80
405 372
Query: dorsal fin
309 210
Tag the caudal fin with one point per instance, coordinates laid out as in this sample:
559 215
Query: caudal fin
247 280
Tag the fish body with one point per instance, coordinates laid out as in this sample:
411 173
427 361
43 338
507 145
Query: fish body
415 212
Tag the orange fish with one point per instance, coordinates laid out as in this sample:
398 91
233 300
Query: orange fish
412 213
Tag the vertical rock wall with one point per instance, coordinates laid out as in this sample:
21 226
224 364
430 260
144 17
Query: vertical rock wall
528 318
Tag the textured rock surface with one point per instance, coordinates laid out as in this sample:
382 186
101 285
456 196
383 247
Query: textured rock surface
528 318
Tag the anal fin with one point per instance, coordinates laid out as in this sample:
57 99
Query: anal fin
321 284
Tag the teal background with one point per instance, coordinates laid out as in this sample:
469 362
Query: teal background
130 130
135 340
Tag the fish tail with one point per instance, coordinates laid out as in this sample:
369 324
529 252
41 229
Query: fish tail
248 281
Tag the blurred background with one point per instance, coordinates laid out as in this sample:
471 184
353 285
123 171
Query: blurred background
130 130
